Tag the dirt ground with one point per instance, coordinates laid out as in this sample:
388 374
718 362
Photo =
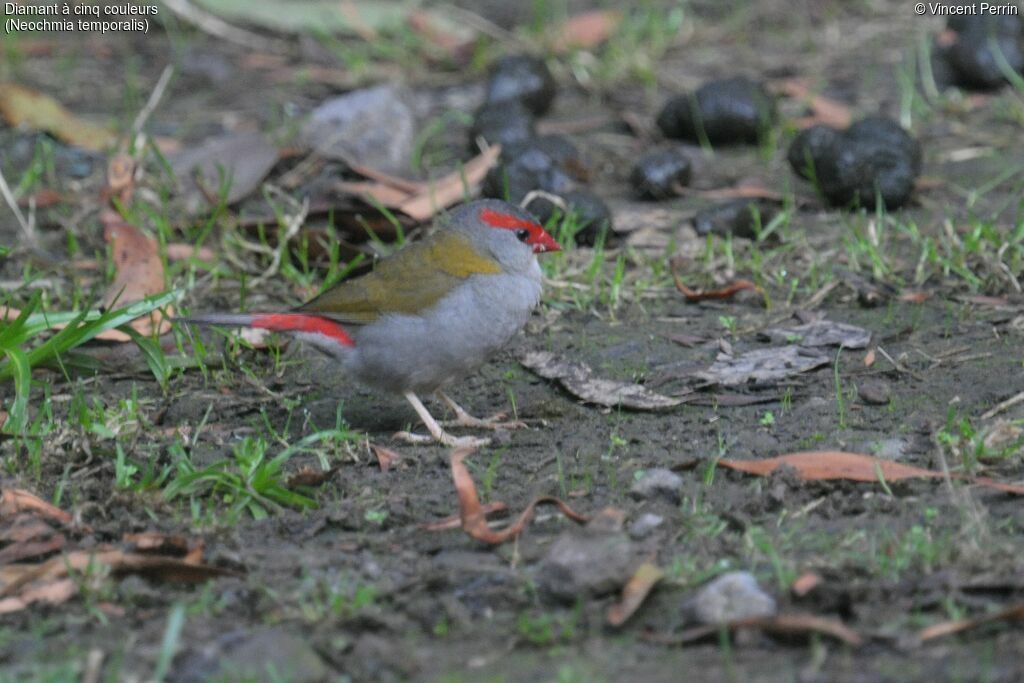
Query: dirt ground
355 589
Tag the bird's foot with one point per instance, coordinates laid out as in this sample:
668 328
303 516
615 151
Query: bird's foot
464 419
443 438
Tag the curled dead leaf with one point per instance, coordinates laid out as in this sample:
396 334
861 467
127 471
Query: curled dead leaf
729 290
914 297
309 476
386 458
14 501
805 583
140 273
455 521
578 379
948 628
824 109
634 593
422 201
23 106
586 30
120 178
831 465
788 625
474 517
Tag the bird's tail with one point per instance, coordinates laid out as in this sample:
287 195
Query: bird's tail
312 328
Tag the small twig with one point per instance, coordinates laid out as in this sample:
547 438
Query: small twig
896 364
153 101
819 296
541 194
291 230
28 228
1005 405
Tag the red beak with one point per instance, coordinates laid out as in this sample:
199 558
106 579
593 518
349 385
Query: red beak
542 242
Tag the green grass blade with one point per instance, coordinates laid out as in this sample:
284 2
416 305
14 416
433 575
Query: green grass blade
22 373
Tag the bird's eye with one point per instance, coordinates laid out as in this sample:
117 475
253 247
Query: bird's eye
522 234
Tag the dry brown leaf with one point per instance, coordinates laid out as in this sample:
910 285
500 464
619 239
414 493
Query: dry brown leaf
24 550
455 521
830 465
806 624
54 593
451 188
781 624
869 358
119 562
457 46
309 476
43 199
120 178
178 251
825 110
586 30
826 465
805 583
474 519
140 273
634 593
915 297
982 300
730 290
423 201
409 187
23 106
578 379
947 628
386 458
14 501
745 191
238 160
157 542
382 193
23 528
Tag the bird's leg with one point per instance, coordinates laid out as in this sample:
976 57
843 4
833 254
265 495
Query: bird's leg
437 434
464 419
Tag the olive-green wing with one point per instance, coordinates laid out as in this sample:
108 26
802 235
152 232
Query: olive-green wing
409 281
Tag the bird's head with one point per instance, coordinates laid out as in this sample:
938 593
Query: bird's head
504 232
525 228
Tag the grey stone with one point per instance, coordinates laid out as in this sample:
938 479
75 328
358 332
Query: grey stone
643 525
375 127
731 596
891 449
658 483
874 392
585 562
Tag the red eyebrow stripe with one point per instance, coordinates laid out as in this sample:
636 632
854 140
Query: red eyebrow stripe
300 322
505 220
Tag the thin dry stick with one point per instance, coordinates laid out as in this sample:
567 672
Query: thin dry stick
541 194
153 101
295 222
1005 405
27 228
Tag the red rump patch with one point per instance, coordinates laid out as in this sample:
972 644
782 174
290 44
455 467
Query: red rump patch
506 220
301 322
